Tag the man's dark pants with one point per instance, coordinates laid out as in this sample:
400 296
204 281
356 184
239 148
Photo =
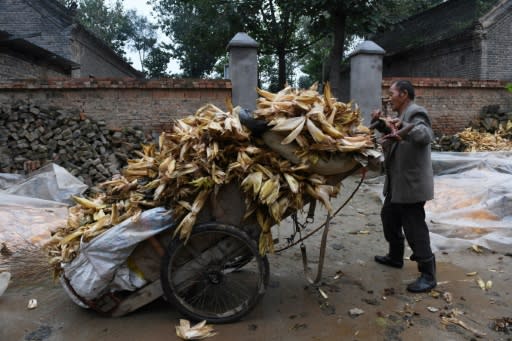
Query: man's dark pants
410 217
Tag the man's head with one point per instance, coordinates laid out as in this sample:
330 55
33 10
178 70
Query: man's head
401 93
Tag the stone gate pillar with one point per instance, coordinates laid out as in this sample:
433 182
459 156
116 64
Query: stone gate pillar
243 70
366 78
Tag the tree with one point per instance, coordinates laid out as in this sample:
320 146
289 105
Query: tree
289 30
280 28
155 63
143 39
199 31
340 20
143 35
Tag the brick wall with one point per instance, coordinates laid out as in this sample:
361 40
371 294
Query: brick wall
499 48
458 57
149 104
15 67
153 104
54 31
95 59
453 103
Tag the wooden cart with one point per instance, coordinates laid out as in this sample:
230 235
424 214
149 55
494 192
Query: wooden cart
218 275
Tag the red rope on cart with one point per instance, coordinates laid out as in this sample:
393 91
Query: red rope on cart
363 175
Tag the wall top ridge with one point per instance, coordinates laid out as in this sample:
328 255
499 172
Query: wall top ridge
115 83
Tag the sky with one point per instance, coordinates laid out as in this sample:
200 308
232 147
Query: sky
143 9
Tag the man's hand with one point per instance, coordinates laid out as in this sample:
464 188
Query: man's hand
395 122
393 136
376 114
377 121
400 131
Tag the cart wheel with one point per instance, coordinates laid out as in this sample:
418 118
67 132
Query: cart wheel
218 275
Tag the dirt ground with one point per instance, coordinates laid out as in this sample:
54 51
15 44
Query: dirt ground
291 309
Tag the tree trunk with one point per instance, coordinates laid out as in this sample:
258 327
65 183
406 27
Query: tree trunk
282 69
336 55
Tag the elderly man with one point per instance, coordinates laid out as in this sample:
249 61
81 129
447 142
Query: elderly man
408 185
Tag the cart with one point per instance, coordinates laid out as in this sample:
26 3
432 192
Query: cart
217 275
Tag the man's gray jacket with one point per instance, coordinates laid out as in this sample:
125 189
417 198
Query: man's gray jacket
409 174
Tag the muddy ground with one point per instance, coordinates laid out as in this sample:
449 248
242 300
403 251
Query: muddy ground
293 310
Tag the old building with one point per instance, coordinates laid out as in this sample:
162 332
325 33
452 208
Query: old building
469 39
40 39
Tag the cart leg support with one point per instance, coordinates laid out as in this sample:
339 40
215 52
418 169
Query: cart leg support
321 256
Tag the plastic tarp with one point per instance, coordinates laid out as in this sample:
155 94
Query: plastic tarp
50 182
8 179
472 202
31 206
101 265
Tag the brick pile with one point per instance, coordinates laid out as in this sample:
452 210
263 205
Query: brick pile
34 135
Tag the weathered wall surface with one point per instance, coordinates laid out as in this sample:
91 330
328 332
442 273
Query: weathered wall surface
149 104
50 26
499 48
153 104
453 58
95 60
33 17
20 67
453 103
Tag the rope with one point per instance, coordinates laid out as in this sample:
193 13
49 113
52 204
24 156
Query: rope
324 224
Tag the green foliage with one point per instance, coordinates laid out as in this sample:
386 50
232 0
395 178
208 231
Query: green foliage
199 31
143 35
281 29
153 59
109 23
155 64
310 35
218 69
509 87
483 6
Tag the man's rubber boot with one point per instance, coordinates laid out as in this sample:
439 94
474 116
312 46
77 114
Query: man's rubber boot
395 257
427 279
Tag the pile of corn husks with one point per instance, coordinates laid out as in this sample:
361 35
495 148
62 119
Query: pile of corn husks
212 148
477 141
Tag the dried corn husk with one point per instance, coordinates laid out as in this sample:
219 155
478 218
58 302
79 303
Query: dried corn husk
198 331
318 124
212 148
477 141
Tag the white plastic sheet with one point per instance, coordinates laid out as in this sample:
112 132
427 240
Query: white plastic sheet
8 179
101 265
472 200
50 182
30 206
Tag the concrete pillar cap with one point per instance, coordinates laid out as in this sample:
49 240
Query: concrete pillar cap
242 39
367 47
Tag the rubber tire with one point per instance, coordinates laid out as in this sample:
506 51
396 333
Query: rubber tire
183 307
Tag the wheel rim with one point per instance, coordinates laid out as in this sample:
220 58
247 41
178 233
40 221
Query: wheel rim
216 274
